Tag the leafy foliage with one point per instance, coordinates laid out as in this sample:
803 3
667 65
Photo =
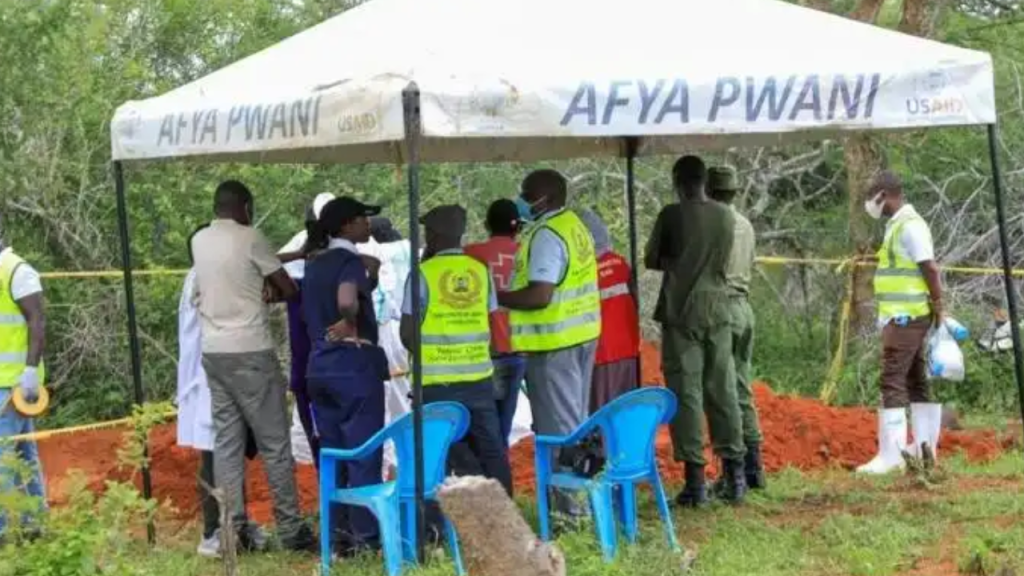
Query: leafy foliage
71 62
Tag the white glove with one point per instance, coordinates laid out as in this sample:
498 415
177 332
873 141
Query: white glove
29 383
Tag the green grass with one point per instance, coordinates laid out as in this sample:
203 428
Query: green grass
827 523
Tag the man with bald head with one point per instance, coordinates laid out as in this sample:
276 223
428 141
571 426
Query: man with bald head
908 290
555 312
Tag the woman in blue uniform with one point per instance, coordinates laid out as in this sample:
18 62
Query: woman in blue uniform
347 369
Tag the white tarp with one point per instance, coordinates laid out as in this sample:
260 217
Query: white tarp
559 78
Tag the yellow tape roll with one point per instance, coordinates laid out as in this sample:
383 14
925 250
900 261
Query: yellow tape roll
31 409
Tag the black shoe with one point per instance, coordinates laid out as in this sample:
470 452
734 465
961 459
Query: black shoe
754 468
732 487
302 541
694 492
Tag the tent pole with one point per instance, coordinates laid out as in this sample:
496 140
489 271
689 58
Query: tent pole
133 327
1004 249
632 143
413 127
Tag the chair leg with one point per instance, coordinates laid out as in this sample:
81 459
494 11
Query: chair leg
604 518
409 535
666 515
327 489
629 510
453 546
388 513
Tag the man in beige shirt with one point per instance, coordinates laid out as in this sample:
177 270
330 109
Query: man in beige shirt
722 187
236 273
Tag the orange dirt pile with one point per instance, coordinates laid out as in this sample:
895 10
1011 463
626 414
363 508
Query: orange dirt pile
799 432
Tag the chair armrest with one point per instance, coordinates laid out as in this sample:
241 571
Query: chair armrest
359 453
576 437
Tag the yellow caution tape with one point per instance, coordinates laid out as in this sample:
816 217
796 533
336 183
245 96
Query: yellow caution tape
766 260
783 261
112 273
835 370
44 434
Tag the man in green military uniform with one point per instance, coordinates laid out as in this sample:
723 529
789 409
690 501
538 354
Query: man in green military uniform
722 186
691 243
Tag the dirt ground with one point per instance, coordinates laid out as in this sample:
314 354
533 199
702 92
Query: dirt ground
799 432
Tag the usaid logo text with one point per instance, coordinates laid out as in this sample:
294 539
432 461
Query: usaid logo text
934 95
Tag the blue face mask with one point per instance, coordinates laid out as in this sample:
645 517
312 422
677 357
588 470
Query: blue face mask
525 209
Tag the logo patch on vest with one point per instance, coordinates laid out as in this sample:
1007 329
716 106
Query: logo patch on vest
461 289
583 244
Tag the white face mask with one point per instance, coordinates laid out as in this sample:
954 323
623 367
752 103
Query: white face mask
874 206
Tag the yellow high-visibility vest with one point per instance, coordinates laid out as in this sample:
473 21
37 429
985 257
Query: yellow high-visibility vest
574 315
455 337
900 288
13 327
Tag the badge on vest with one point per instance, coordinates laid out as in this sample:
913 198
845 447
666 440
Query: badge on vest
461 289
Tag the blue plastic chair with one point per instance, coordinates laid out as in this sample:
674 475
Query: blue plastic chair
628 426
394 503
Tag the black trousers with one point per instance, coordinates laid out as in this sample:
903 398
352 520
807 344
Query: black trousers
482 451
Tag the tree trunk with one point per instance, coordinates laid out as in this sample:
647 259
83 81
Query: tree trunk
493 536
863 159
867 10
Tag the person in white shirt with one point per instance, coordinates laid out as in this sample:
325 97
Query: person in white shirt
22 340
237 274
908 290
195 413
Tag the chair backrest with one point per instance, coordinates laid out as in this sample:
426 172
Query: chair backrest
629 425
444 423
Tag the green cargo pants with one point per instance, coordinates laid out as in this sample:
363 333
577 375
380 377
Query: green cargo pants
698 367
742 321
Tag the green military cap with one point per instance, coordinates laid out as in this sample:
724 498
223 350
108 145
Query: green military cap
723 179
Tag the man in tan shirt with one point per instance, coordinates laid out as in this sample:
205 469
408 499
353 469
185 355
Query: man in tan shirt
722 187
235 268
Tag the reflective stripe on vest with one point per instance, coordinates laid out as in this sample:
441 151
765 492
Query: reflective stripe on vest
573 316
900 288
455 337
13 328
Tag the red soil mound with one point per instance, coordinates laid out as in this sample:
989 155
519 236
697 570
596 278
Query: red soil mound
799 432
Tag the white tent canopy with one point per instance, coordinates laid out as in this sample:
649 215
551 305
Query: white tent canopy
557 79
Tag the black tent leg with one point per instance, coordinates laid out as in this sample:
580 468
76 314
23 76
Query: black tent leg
133 328
632 143
1004 249
413 127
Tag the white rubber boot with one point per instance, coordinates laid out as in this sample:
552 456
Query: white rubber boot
892 441
926 420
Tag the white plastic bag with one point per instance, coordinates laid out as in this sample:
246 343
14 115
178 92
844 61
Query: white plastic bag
945 359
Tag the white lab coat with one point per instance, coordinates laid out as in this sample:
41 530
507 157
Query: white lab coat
387 302
195 407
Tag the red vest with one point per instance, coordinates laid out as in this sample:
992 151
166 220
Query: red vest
620 328
499 254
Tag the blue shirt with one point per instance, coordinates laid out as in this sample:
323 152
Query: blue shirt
323 275
492 297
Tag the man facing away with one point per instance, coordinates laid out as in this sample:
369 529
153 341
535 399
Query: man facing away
234 264
22 340
908 290
498 253
723 186
691 243
618 349
556 312
456 301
